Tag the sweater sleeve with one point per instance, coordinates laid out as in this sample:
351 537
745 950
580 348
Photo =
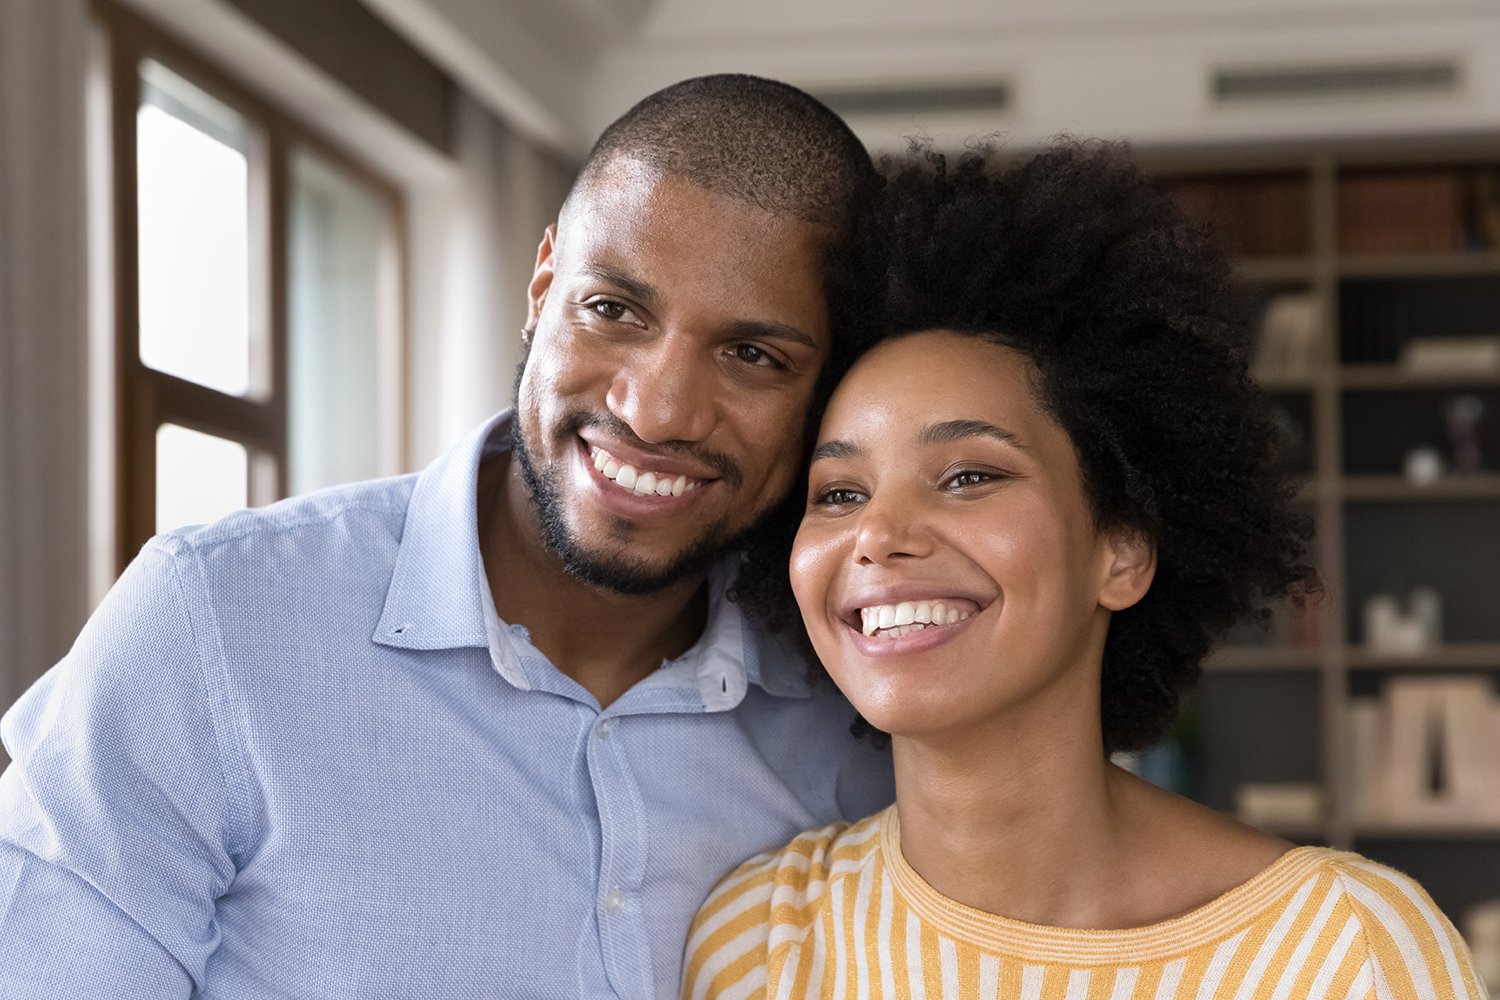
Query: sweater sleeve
1414 951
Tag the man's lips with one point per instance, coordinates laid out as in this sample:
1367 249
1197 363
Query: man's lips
643 474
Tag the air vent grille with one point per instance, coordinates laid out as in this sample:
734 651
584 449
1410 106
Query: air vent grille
988 97
1374 79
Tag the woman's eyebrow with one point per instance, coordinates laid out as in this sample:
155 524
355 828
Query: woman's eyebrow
837 449
956 430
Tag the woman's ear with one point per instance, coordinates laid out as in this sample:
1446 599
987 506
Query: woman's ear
1131 561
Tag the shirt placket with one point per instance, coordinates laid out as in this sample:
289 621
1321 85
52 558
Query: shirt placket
622 859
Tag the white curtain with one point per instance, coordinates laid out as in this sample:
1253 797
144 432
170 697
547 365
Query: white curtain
466 339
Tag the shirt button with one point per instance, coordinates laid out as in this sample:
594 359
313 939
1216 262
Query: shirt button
614 900
606 726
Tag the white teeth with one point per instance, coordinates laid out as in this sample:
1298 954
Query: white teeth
640 483
890 620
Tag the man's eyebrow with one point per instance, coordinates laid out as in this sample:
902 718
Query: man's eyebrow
646 293
634 287
769 330
836 449
957 430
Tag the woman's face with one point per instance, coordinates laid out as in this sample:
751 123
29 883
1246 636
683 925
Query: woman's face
947 567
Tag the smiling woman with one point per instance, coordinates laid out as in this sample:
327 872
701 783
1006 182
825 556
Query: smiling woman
1032 507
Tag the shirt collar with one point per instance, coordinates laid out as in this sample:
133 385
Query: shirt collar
439 597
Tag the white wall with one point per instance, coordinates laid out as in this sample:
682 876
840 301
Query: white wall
1135 69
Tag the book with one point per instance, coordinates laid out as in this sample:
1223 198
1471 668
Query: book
1401 212
1258 215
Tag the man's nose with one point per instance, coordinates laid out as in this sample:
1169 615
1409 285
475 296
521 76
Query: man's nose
665 390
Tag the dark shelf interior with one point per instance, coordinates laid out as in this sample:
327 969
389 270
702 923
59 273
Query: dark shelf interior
1453 546
1380 427
1259 726
1378 315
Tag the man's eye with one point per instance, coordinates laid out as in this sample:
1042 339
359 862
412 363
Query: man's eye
609 310
753 355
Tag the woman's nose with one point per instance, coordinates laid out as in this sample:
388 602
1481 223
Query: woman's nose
890 528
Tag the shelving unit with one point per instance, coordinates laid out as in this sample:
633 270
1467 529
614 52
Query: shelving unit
1282 709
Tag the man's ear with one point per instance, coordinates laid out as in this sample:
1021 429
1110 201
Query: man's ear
541 277
1131 561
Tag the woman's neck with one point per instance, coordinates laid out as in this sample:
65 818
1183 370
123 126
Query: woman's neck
1028 820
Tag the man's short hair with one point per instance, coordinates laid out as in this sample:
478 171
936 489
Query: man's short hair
748 138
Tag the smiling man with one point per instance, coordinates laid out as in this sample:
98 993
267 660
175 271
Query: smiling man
493 729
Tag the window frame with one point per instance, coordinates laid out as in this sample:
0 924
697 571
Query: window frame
146 398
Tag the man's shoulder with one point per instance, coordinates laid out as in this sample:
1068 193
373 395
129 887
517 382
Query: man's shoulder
377 505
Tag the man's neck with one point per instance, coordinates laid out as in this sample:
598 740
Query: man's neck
605 641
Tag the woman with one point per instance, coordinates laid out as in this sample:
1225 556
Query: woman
1032 507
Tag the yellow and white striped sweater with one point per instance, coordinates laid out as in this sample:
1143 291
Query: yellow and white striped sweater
838 913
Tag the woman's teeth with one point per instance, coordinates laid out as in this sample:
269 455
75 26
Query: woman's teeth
891 620
642 484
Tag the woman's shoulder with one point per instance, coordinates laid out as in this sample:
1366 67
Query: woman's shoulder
773 895
1415 946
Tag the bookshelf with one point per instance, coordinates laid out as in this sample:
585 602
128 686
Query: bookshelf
1389 243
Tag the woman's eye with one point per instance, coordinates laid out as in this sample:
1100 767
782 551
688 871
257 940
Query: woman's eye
753 355
969 478
837 497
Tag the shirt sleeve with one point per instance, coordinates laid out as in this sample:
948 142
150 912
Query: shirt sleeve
1414 951
115 826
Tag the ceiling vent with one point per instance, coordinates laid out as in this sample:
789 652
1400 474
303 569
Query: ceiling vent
1342 80
940 98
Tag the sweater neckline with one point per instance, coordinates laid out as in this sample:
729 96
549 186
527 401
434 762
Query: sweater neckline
1215 920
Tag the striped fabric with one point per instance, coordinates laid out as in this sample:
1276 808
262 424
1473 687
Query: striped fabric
839 914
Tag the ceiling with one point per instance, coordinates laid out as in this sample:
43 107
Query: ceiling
1138 69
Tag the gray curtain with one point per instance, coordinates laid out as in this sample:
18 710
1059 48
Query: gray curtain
44 529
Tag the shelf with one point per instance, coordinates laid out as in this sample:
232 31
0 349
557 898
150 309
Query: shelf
1451 656
1263 658
1476 486
1273 270
1384 831
1378 376
1404 265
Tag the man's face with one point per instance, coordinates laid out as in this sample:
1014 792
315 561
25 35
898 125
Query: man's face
678 336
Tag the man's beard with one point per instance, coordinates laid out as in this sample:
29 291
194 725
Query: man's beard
616 573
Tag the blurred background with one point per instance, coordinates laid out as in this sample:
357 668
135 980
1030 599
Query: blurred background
251 248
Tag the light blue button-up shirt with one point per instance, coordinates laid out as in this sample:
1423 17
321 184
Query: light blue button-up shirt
297 754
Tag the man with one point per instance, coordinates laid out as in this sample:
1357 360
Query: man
493 729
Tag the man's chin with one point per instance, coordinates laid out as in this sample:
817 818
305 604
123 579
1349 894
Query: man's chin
623 575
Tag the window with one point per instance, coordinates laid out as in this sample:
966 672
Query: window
258 312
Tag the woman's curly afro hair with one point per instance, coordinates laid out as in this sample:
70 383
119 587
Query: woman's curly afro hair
1124 307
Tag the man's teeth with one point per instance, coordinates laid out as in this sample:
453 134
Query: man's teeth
890 620
640 483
